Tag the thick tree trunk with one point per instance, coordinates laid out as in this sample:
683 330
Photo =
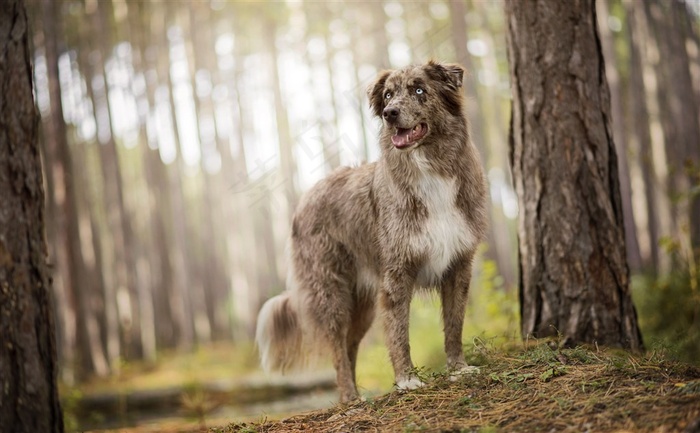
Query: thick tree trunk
28 366
574 277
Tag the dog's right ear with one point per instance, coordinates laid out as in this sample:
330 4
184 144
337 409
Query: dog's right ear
375 92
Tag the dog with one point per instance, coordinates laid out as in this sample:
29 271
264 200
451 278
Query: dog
375 233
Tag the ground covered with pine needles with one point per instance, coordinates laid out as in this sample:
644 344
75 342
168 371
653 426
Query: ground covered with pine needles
538 388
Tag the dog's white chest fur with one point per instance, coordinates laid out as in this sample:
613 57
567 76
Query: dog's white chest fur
445 233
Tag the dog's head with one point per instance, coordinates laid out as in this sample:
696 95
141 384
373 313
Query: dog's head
418 102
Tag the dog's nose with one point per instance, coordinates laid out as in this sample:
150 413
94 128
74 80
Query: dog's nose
390 114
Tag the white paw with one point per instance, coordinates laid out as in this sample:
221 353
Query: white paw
463 371
408 384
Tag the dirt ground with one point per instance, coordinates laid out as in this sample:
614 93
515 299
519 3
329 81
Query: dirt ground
541 388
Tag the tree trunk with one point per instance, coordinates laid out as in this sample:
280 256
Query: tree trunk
640 136
619 135
70 260
680 115
200 59
119 222
180 251
244 251
146 262
496 237
574 278
28 366
287 163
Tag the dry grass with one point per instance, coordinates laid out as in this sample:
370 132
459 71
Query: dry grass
540 388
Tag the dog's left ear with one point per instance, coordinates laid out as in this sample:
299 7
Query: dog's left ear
449 73
375 92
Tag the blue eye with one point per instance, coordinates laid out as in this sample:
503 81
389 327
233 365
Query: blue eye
387 95
419 91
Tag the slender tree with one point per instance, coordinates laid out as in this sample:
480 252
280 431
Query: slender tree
70 260
28 365
498 244
680 113
640 135
619 134
574 276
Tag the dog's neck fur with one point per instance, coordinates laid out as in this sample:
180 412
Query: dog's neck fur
443 154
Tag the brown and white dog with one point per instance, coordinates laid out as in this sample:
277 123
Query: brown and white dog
411 220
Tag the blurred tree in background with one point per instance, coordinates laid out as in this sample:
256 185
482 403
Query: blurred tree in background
178 136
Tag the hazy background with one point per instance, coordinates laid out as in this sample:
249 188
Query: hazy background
185 133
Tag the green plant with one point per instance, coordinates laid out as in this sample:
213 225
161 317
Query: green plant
669 312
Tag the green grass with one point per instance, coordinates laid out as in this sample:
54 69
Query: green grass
210 363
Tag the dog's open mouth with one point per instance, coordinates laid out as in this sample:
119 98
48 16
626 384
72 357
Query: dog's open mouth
405 137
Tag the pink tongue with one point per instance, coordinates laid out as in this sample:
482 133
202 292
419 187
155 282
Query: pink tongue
402 137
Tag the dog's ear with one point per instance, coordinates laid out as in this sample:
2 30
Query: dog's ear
375 92
449 73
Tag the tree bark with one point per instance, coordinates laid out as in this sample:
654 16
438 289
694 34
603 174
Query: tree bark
574 277
28 366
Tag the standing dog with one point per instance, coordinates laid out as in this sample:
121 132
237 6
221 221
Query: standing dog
378 231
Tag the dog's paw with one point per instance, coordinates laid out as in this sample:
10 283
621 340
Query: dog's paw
463 370
409 384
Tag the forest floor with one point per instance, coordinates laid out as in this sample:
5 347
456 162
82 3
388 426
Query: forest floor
540 388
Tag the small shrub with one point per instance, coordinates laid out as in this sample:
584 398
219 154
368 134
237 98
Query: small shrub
669 313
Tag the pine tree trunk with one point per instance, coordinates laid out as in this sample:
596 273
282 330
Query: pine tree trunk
287 162
680 115
90 354
28 366
574 278
619 135
496 238
640 136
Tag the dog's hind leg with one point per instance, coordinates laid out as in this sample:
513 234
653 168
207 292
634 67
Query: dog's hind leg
344 371
361 320
333 322
327 279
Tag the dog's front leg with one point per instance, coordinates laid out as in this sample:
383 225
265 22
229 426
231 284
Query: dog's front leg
396 296
453 293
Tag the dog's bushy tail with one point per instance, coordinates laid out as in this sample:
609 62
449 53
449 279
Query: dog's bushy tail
279 334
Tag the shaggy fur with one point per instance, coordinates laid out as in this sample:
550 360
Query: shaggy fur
372 234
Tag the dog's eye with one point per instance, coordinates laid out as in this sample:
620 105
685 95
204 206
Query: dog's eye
419 91
387 95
